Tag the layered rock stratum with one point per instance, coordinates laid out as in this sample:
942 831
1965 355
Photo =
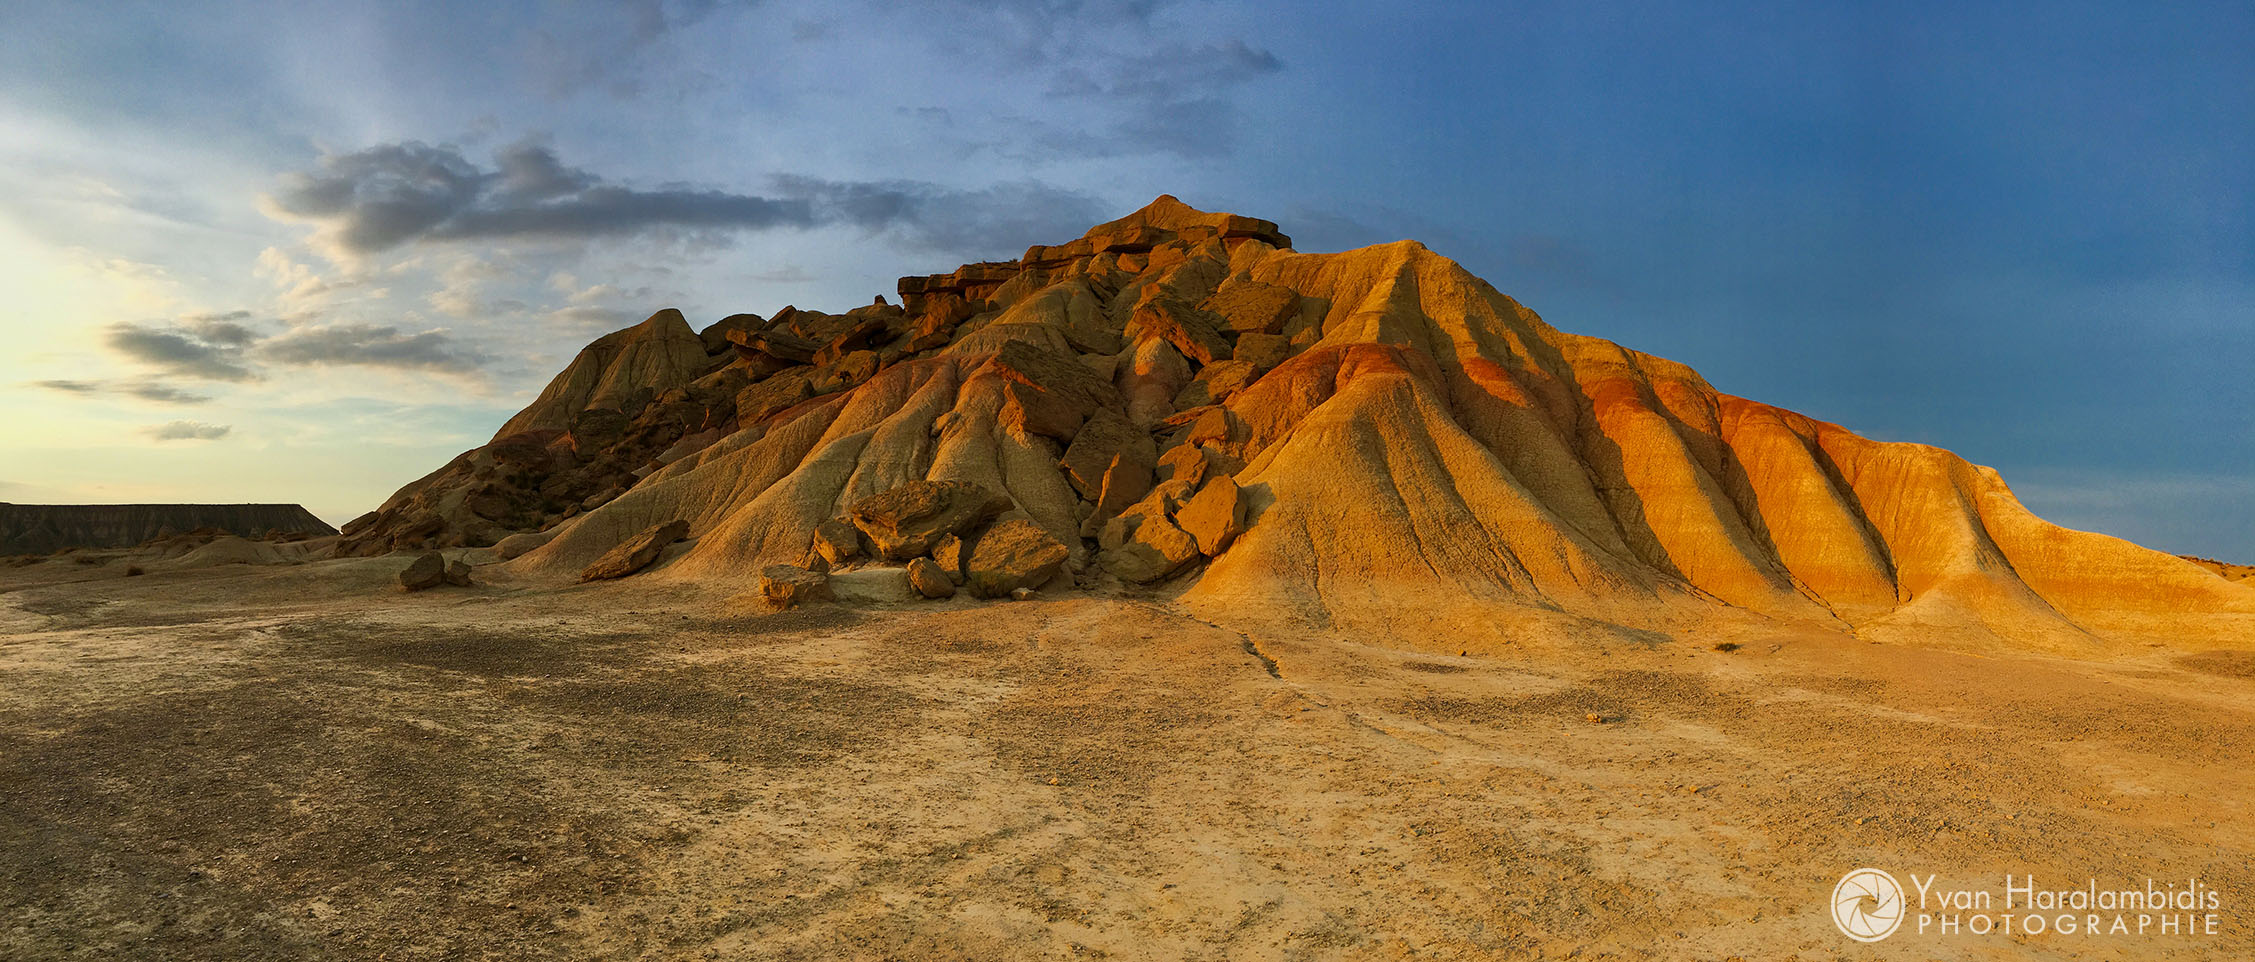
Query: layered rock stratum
1367 439
42 528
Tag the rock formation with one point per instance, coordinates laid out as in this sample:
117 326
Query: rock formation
1374 437
44 528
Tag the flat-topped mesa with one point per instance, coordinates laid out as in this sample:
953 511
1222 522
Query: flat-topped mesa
1371 439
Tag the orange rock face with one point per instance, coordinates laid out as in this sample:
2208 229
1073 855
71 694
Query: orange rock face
1403 446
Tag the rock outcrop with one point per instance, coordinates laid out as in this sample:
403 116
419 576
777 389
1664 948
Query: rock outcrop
1374 437
46 528
635 553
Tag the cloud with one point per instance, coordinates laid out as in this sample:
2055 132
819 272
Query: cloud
187 431
394 195
145 390
391 195
369 345
217 347
1171 99
182 351
932 217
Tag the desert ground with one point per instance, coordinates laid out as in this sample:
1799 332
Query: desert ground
287 762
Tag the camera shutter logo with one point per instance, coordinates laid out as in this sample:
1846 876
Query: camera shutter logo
1867 905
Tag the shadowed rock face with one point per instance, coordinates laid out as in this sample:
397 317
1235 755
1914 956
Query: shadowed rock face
41 528
1404 447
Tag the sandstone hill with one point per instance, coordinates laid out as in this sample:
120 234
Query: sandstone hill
1374 438
43 528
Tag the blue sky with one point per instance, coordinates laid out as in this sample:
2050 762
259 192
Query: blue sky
307 251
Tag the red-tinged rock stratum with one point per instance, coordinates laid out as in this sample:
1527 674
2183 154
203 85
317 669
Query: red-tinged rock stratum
1373 439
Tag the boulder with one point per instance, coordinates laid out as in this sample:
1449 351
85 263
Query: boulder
1183 462
518 544
950 553
1012 555
1125 483
883 586
788 586
1047 392
1219 382
910 519
458 573
844 373
715 338
1155 550
929 580
426 571
1105 437
836 541
1263 351
1215 516
635 553
1191 330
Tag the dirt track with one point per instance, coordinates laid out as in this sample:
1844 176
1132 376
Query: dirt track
295 762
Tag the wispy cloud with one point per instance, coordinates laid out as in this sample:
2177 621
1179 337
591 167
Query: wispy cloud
181 351
147 390
187 431
369 345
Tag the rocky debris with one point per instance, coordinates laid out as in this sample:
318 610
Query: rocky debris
910 519
1214 516
1024 594
1048 393
1106 438
883 586
1191 330
1183 462
635 553
950 554
929 579
1217 383
715 336
789 586
1011 555
458 573
837 541
1147 548
428 570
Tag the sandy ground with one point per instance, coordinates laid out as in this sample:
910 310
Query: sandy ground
300 762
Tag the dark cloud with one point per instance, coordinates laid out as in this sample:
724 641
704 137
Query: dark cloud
162 393
145 390
369 345
385 196
396 194
181 351
221 329
187 431
219 348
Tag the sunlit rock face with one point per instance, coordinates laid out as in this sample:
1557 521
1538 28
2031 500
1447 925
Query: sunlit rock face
1373 437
